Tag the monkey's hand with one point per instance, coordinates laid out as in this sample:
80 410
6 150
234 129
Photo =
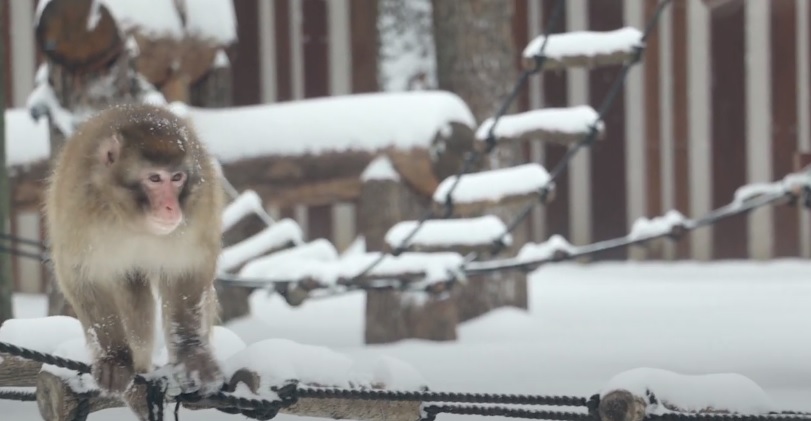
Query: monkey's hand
112 373
197 371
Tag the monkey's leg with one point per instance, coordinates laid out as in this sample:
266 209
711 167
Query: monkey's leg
187 323
137 308
95 307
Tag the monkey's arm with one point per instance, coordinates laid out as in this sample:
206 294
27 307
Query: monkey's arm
187 304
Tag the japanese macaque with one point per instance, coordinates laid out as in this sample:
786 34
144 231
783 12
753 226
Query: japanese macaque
134 208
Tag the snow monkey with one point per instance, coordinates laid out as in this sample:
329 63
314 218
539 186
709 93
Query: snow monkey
133 206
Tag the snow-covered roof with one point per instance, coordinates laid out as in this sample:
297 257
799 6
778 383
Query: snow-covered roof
360 122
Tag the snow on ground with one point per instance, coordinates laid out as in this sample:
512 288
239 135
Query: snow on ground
586 324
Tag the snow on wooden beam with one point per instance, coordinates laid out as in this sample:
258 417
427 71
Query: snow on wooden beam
477 191
252 371
462 235
561 125
283 233
312 271
246 203
583 48
625 397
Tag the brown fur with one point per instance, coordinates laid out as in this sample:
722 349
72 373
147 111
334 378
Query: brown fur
108 266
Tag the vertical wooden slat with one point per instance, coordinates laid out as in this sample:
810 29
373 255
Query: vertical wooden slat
728 99
281 25
246 66
784 118
315 47
555 94
681 144
319 222
653 126
7 80
608 193
364 39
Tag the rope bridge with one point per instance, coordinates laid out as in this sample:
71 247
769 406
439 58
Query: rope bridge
619 405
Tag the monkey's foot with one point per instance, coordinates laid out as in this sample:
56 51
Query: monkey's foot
196 372
112 375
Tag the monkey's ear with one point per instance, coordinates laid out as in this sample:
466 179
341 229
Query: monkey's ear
110 149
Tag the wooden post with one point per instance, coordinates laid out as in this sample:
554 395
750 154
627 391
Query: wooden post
6 281
234 300
392 315
621 405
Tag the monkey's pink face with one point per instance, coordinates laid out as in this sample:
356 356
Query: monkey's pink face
163 188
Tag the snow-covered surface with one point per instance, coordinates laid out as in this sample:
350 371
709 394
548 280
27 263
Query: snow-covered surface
545 250
364 122
73 349
26 139
585 43
493 185
448 232
43 100
691 393
749 191
361 122
586 324
316 250
248 202
435 267
211 19
275 236
380 168
644 227
570 120
53 331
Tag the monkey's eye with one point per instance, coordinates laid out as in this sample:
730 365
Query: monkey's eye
177 176
155 178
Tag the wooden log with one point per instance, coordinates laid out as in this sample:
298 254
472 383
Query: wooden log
589 49
461 235
57 401
556 125
621 405
18 372
475 193
79 39
156 57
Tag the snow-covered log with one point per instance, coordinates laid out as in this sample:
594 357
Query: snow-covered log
282 234
251 372
475 192
463 235
561 125
583 48
639 393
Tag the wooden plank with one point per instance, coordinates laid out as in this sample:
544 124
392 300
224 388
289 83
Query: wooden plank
681 123
608 184
281 26
653 128
247 61
555 94
728 96
364 39
784 118
316 48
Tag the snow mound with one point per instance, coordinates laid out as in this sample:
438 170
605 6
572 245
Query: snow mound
690 393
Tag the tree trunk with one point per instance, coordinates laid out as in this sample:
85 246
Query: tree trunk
476 59
6 281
